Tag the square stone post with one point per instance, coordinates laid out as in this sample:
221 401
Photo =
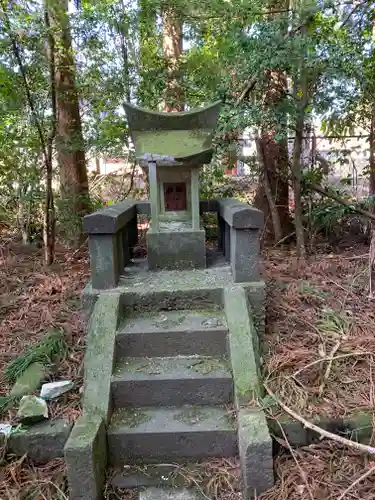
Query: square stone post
132 231
195 199
110 230
126 246
241 234
244 254
221 237
154 195
227 249
104 260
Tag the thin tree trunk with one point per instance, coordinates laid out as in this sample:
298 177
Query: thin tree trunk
46 146
172 47
296 164
278 234
49 211
69 143
123 32
276 160
150 57
372 159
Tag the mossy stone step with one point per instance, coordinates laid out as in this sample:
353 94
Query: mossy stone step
159 475
172 333
172 381
170 494
180 434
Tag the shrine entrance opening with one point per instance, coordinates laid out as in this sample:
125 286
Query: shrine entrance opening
175 198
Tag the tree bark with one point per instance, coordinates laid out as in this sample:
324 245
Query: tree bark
49 229
69 139
172 48
275 217
372 159
301 104
275 161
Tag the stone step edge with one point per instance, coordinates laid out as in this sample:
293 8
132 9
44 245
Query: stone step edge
212 319
194 367
158 475
181 419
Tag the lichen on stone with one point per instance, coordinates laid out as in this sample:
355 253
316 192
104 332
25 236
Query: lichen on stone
131 417
191 415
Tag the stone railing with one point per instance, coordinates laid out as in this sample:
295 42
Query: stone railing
113 233
239 238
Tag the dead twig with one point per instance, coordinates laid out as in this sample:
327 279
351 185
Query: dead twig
322 432
354 483
335 348
340 356
301 471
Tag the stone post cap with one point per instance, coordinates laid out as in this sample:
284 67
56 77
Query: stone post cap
155 158
240 215
110 220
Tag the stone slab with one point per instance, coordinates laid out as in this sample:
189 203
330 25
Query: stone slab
255 449
30 380
99 356
172 381
86 458
177 434
172 333
176 249
243 347
357 427
41 442
170 494
256 295
110 220
176 321
240 215
158 475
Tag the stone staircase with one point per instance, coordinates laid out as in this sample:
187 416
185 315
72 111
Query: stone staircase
171 389
171 376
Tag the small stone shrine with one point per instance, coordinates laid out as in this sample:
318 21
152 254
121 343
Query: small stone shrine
172 147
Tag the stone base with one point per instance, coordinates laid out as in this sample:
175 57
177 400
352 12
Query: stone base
176 249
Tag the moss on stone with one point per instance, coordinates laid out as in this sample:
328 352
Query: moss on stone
204 366
131 417
176 143
191 415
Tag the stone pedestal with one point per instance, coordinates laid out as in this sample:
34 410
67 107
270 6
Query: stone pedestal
184 249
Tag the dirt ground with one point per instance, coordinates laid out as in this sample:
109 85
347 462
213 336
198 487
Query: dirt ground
318 311
35 299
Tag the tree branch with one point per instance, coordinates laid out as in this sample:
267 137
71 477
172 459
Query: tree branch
341 201
322 432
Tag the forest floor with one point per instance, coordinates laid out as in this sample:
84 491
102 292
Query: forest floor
34 300
312 312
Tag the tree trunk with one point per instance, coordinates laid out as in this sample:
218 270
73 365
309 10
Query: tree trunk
149 48
372 160
296 161
46 146
274 213
172 47
275 166
275 163
69 139
49 228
